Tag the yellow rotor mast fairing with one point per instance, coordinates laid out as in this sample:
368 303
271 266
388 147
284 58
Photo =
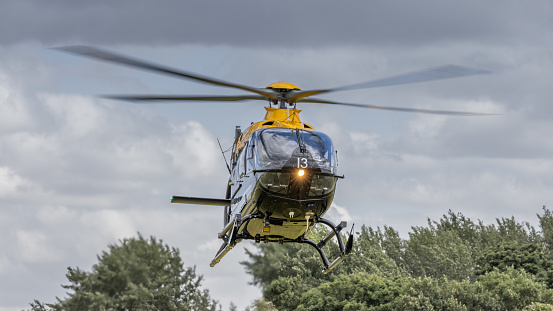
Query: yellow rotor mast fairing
283 86
276 117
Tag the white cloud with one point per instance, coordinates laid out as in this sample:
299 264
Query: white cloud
14 111
10 183
75 116
338 213
56 215
191 143
114 224
427 126
35 246
364 143
212 246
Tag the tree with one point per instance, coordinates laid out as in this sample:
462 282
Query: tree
443 294
515 288
260 305
533 258
451 264
285 293
438 253
538 306
546 225
480 236
376 251
360 291
135 274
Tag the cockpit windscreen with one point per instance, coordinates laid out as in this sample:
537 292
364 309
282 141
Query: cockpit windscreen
278 147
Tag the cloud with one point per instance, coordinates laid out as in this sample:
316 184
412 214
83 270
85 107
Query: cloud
10 182
338 213
248 22
35 247
114 223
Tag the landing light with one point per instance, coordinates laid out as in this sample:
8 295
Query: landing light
301 172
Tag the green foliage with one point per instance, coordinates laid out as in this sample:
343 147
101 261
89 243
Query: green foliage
515 289
375 251
533 258
509 290
260 305
285 293
465 228
538 306
450 264
359 291
480 236
438 253
431 294
136 274
546 225
511 230
265 265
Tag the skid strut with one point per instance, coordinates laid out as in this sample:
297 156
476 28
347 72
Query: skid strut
345 249
231 239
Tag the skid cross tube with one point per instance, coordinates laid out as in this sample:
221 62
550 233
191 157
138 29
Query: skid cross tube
335 232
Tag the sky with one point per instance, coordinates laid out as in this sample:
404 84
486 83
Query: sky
78 172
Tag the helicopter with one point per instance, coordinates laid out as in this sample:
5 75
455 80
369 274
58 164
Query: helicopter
282 172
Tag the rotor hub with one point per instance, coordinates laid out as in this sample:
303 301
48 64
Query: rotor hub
283 86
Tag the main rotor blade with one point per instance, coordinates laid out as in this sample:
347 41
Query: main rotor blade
124 60
443 112
437 73
184 98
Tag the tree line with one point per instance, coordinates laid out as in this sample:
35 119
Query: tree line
453 263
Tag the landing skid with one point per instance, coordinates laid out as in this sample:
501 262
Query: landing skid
231 238
344 249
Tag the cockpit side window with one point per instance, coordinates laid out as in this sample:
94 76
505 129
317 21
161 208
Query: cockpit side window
244 158
251 146
240 162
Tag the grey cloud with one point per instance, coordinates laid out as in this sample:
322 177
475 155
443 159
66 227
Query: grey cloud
287 24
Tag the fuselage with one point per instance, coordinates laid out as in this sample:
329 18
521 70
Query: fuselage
284 172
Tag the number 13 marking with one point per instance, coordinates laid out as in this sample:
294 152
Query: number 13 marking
302 162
